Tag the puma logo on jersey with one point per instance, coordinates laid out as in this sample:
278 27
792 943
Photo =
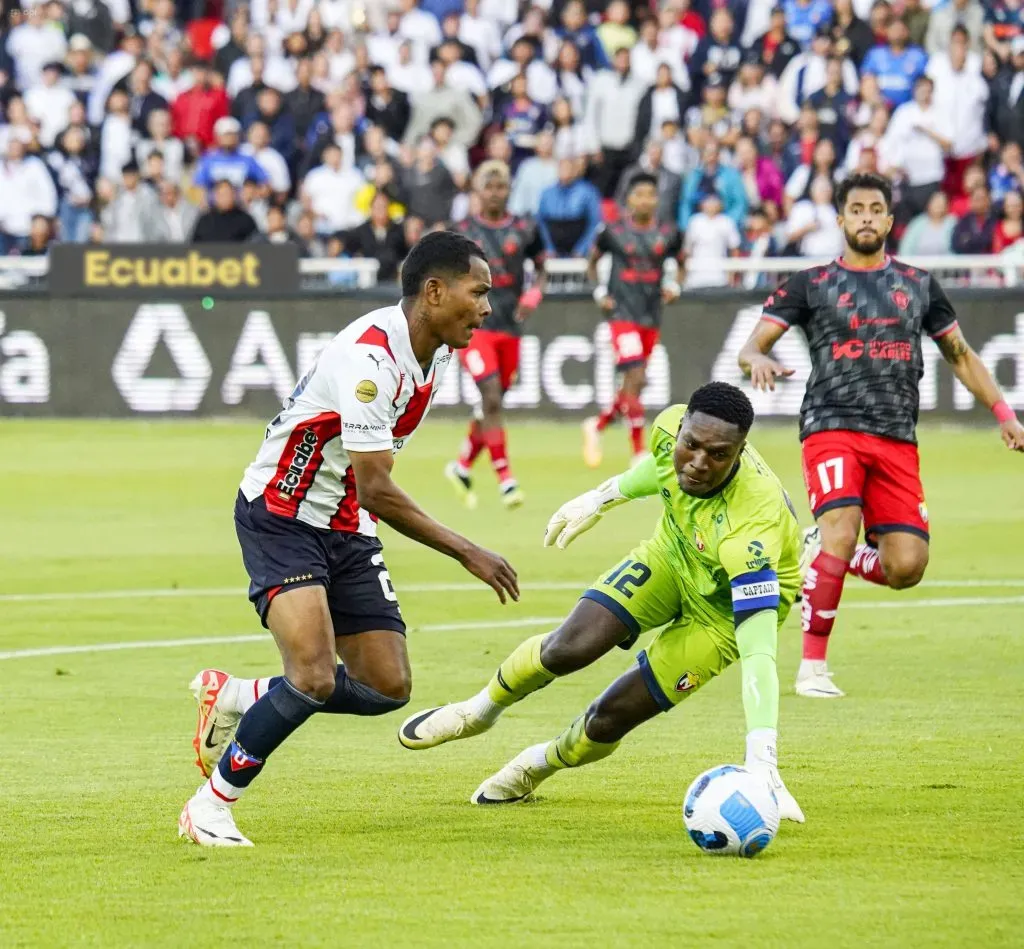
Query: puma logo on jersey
376 359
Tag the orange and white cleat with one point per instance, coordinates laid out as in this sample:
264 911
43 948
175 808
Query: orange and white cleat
209 824
592 451
215 726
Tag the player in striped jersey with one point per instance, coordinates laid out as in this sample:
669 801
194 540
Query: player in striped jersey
306 520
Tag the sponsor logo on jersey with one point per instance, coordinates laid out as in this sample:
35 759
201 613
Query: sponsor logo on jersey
922 509
857 321
758 558
851 349
688 681
845 300
366 391
883 349
300 458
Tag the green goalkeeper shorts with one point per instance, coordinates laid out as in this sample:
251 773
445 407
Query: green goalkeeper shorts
648 590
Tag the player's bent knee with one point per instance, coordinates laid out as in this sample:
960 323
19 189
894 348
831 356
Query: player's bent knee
603 723
315 680
371 700
903 574
577 643
839 537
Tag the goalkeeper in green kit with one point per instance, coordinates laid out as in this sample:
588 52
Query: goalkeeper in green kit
719 575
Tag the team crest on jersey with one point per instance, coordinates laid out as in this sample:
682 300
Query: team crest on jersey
900 298
659 247
922 509
687 682
366 391
511 246
240 759
698 540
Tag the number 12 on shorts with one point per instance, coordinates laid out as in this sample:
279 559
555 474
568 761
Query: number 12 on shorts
835 482
629 573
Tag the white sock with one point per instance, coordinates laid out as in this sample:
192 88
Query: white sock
240 695
537 756
218 791
481 707
761 748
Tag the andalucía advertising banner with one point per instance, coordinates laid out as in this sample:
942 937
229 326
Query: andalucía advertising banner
84 357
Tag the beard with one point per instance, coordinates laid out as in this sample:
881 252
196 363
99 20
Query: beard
864 244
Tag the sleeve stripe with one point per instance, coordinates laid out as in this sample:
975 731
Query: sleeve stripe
755 591
764 575
949 329
778 321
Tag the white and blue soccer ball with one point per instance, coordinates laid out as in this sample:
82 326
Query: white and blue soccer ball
730 810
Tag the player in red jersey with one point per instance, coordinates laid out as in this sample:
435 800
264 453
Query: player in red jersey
632 301
863 316
492 358
306 516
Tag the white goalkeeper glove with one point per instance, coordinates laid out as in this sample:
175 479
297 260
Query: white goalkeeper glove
580 514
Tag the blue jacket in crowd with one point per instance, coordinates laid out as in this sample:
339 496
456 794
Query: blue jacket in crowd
726 182
568 218
896 72
235 167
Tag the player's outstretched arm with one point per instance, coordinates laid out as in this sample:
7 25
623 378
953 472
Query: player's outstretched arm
580 514
378 494
972 372
754 359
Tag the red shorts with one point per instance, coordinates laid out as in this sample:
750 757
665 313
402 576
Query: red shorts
633 344
492 353
880 475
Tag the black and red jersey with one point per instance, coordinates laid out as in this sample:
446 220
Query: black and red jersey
638 255
863 328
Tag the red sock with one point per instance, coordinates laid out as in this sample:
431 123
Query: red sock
867 565
494 439
611 413
823 588
634 412
471 447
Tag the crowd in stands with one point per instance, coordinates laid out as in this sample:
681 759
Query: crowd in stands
351 126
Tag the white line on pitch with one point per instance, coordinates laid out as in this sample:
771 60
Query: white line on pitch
553 585
889 604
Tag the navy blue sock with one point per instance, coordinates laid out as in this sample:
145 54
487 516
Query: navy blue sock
262 729
351 697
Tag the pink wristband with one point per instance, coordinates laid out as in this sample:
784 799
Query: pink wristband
1003 412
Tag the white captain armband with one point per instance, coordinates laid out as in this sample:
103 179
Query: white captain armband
753 592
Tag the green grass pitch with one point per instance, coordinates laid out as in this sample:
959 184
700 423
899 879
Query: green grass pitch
912 785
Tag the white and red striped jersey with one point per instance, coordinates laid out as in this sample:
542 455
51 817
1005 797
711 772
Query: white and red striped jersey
366 392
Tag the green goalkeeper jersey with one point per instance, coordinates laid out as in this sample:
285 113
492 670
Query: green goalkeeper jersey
729 547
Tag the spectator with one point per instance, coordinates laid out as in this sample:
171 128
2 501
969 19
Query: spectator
969 14
116 136
759 243
522 57
975 231
718 53
896 65
225 222
329 191
570 213
304 102
406 73
113 69
195 113
821 165
49 104
460 73
575 29
378 237
612 109
1008 175
40 236
871 138
278 232
534 176
1006 104
252 200
812 227
133 217
387 107
417 25
710 235
712 121
448 102
670 185
869 101
615 33
753 88
762 180
340 130
852 37
664 101
305 228
776 48
835 107
713 177
234 46
680 29
68 162
974 177
269 159
382 180
570 137
244 101
804 18
142 99
916 18
160 141
172 78
452 155
678 155
799 150
276 70
37 39
521 120
648 56
227 162
569 79
91 20
931 232
807 73
81 76
1010 228
428 186
918 139
481 33
270 111
177 216
1004 22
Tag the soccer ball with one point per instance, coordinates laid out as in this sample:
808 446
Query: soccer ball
730 810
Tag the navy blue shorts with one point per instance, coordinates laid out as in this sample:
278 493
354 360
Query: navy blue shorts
282 554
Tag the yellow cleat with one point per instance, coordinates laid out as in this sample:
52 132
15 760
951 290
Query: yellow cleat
462 484
592 452
511 496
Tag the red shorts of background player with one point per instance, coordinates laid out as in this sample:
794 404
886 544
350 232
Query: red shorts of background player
881 475
633 344
492 353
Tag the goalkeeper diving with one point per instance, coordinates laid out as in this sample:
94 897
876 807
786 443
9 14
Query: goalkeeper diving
717 578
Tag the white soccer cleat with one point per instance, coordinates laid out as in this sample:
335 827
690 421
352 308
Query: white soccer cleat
512 495
210 825
462 484
435 726
788 807
216 724
592 451
814 681
517 781
810 548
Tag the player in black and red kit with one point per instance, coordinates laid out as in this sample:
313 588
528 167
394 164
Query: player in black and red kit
632 300
492 358
863 316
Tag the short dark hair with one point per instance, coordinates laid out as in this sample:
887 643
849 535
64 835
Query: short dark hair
867 181
642 178
438 254
723 401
